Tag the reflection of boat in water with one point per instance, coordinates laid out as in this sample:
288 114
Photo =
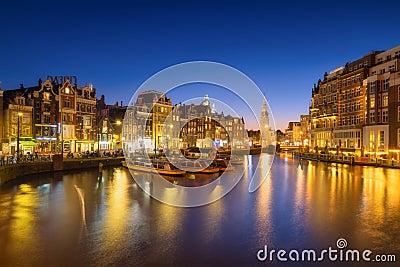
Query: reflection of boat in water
233 159
197 166
236 160
162 167
271 149
222 165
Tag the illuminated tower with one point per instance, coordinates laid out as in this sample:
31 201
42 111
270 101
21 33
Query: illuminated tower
265 129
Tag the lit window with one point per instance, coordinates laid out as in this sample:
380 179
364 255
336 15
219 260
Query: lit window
372 116
386 85
67 103
381 140
385 100
385 115
372 87
398 137
371 141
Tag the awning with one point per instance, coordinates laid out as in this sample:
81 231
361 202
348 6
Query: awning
27 143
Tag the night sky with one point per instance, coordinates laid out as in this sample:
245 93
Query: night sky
284 46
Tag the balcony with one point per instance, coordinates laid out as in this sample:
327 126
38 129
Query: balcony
327 115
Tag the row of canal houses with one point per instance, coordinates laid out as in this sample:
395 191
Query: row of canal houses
57 116
53 116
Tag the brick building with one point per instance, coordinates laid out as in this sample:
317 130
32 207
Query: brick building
355 108
57 115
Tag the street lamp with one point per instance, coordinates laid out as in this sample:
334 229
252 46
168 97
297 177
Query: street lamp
301 142
155 138
18 127
98 137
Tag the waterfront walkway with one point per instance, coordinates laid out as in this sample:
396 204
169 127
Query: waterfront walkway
12 169
352 160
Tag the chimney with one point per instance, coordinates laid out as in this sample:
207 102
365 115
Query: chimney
121 103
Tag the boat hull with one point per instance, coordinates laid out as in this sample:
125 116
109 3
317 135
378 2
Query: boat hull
159 171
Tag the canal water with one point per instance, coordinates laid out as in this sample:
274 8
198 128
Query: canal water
83 219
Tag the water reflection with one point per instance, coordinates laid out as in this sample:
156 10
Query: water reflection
83 218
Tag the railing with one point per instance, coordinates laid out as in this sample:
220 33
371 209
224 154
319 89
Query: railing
6 160
352 160
33 158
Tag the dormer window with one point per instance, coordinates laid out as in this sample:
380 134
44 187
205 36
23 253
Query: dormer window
67 90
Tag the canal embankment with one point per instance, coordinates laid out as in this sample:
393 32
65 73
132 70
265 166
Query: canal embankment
349 159
10 172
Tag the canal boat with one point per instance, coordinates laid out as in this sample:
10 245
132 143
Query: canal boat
162 167
197 166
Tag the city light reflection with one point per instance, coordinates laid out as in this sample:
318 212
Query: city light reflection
302 203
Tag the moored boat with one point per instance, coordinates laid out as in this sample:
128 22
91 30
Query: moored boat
197 166
234 160
162 167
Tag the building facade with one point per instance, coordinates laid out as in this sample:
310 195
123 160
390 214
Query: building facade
109 119
337 111
152 123
55 116
146 122
305 130
293 136
382 125
203 127
86 110
17 123
355 108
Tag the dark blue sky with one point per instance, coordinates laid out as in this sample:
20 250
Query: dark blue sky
284 46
